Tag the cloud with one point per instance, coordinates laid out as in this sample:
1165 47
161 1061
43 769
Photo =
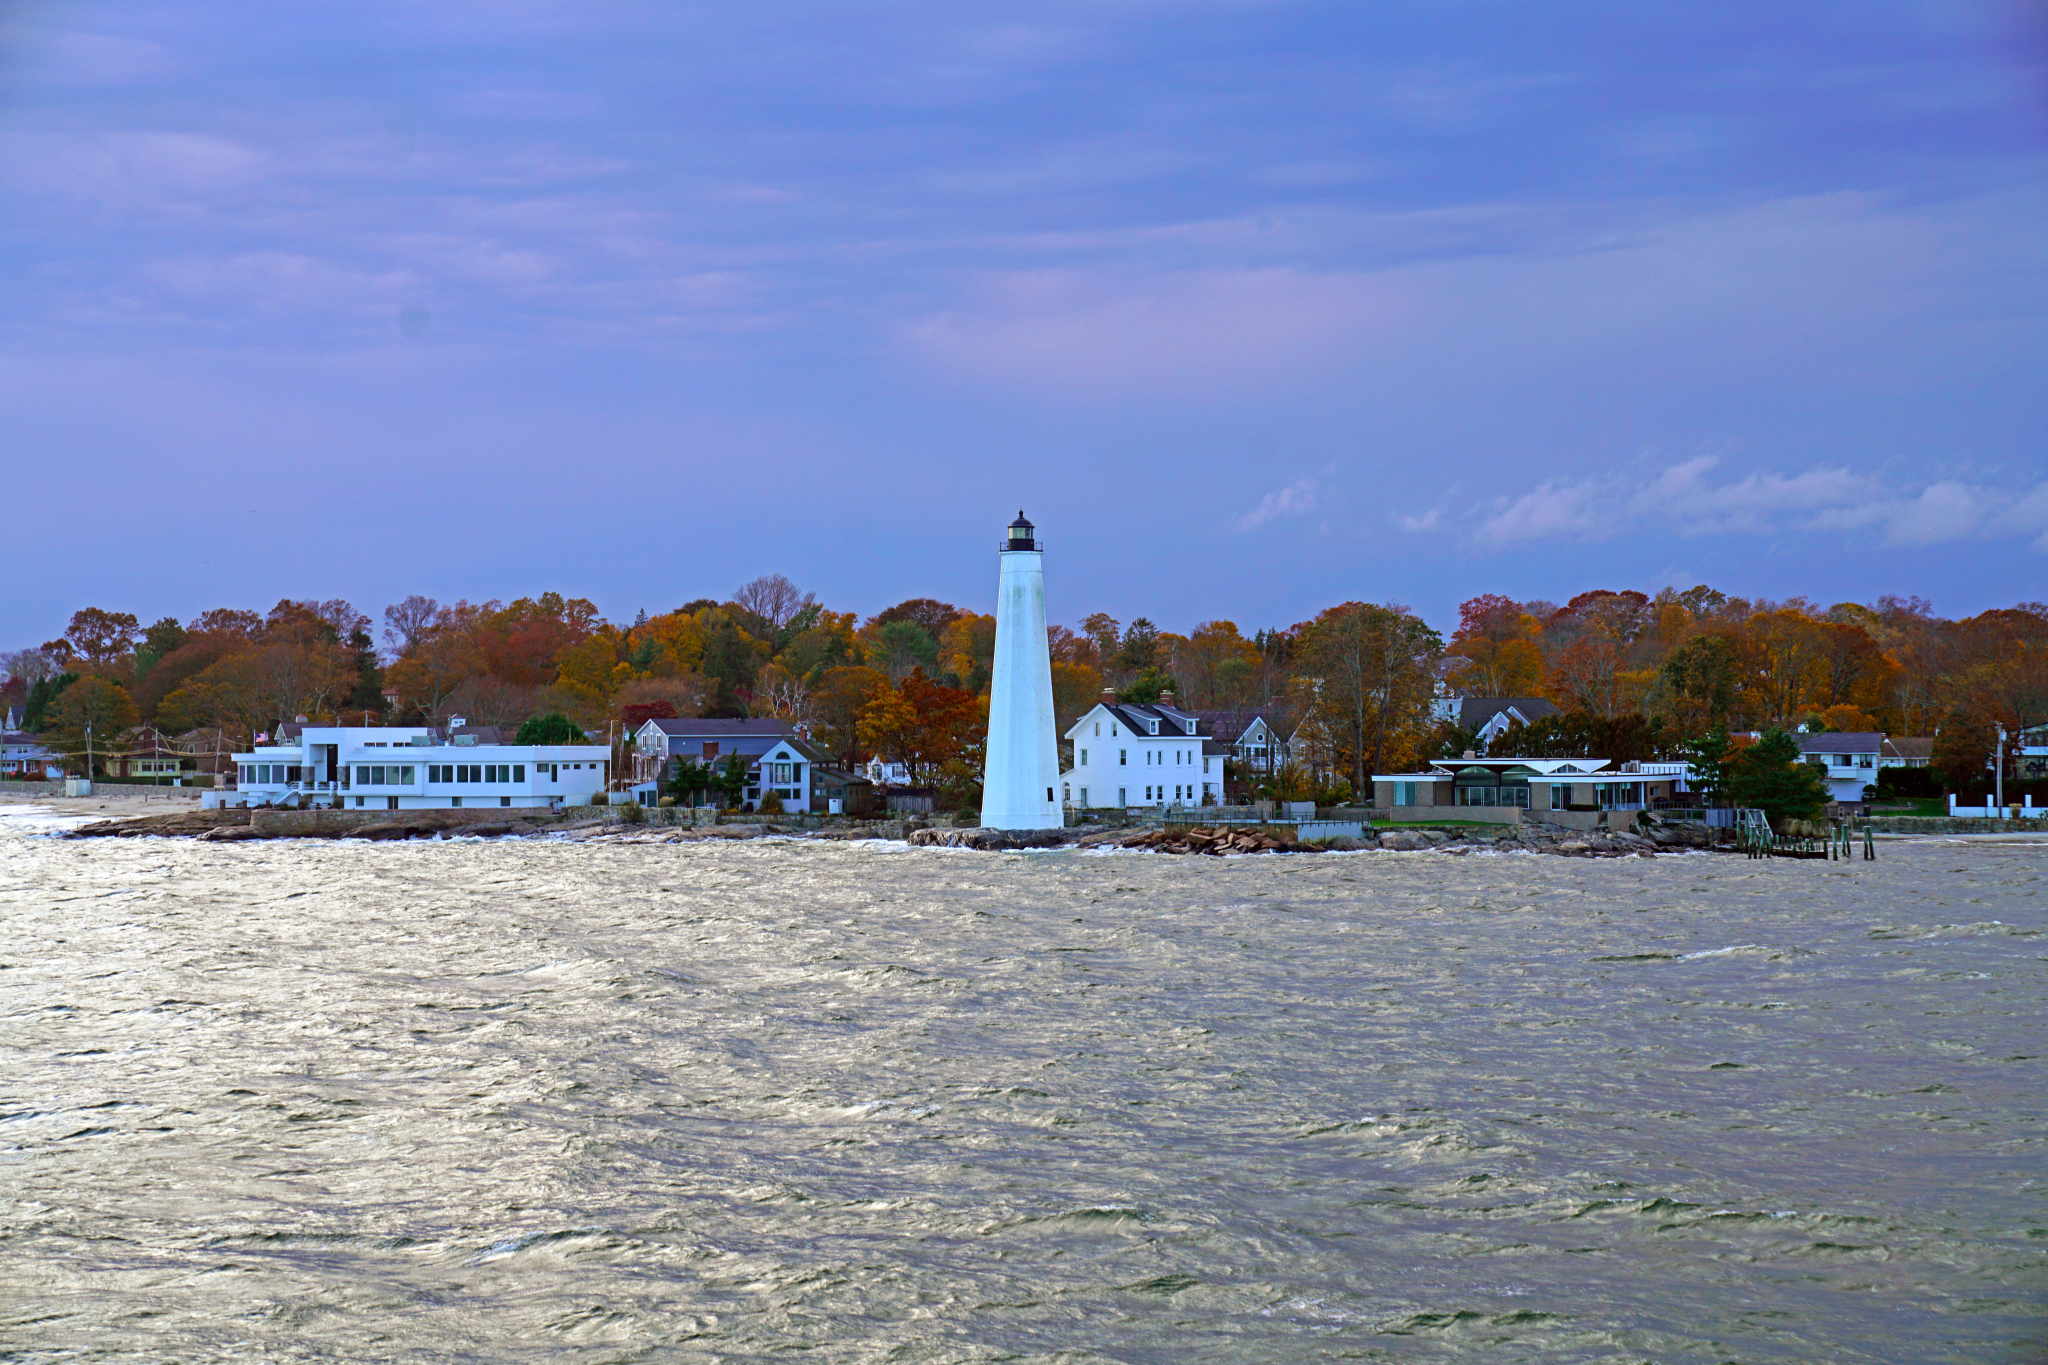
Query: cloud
1684 499
1298 499
1166 332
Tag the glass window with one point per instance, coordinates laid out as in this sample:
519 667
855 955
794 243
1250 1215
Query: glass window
518 772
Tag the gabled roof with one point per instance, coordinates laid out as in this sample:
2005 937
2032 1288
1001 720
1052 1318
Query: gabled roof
809 752
1227 726
1474 712
690 727
1898 746
1833 742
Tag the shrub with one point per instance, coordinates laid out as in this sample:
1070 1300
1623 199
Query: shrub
552 728
771 804
667 802
631 812
967 815
1895 783
599 799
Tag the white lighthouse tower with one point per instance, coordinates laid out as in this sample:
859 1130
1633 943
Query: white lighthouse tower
1023 766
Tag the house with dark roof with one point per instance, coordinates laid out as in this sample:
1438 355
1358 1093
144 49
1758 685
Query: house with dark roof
1847 762
1489 717
1133 754
1255 740
660 745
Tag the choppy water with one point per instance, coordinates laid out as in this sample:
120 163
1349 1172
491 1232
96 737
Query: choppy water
509 1101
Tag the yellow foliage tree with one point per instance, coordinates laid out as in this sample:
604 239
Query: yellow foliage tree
592 666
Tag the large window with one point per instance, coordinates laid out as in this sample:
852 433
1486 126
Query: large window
1486 787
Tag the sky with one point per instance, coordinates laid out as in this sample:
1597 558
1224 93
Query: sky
1252 307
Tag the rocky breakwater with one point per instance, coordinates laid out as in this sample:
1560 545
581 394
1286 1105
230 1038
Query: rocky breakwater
235 826
995 840
1221 840
1540 838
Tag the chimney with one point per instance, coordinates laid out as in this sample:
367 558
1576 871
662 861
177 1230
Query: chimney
1166 698
1109 696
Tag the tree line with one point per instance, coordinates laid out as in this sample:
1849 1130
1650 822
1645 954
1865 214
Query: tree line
1634 675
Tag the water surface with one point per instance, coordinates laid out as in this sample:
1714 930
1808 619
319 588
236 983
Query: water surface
527 1100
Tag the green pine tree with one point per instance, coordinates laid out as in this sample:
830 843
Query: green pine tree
1771 776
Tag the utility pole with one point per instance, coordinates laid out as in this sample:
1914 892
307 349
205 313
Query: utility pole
1998 768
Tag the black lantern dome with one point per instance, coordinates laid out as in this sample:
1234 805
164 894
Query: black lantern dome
1020 537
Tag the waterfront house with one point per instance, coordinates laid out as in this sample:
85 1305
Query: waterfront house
662 745
404 767
1134 754
1847 762
1532 784
24 757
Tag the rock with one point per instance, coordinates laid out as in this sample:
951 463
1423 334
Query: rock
1344 843
989 840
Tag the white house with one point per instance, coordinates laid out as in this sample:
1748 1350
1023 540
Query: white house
1848 762
410 768
1130 754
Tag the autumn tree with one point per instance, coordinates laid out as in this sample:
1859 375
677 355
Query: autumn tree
923 724
838 699
1371 673
92 717
100 637
967 650
228 621
1492 652
1215 666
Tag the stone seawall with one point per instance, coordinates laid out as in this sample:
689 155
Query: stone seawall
284 823
1940 824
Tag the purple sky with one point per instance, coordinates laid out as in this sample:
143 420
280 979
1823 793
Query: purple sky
1254 307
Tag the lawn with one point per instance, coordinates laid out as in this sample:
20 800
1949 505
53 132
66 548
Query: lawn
1931 806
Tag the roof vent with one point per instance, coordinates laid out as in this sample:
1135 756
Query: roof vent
465 741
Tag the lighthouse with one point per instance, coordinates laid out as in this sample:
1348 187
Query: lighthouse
1023 766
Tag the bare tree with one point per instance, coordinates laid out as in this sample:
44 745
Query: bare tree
29 665
482 699
342 615
774 599
406 623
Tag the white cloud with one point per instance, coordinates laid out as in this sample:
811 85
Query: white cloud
1298 499
1684 499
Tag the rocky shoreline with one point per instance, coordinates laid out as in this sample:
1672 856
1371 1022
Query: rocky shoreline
234 826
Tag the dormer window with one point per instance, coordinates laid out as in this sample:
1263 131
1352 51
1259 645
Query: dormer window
1191 727
1155 726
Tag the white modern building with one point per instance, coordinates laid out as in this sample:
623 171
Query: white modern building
1132 754
1534 784
1021 768
411 768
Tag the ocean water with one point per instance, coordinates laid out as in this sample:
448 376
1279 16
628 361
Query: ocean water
538 1100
